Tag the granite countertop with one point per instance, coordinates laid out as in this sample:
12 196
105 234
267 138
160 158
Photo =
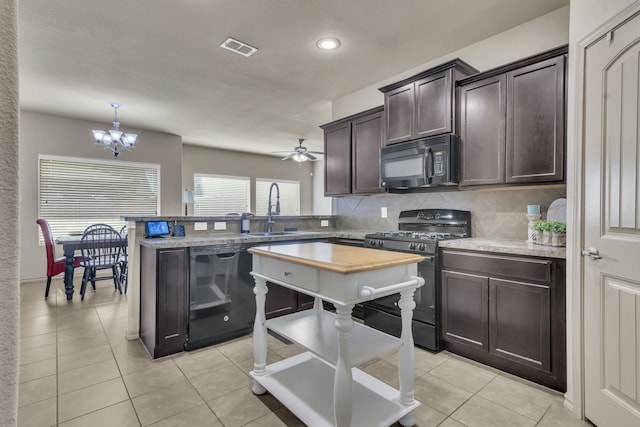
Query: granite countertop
505 246
237 238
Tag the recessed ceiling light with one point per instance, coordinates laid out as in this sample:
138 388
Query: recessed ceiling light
328 43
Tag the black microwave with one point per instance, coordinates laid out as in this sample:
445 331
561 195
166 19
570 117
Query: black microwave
428 162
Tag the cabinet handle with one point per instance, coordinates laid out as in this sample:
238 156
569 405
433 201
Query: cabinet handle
287 273
171 336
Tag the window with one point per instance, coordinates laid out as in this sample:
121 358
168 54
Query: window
289 197
220 195
75 193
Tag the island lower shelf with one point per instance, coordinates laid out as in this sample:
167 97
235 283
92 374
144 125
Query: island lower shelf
305 382
315 330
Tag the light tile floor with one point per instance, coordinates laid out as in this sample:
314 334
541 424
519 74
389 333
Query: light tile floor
77 369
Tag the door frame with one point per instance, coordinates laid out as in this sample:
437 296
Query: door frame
574 398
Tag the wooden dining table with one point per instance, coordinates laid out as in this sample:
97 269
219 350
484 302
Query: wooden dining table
70 245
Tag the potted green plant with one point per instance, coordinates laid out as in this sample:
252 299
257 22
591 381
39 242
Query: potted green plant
558 233
546 232
539 227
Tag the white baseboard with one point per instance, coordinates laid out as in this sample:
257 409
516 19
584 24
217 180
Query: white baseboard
132 335
568 403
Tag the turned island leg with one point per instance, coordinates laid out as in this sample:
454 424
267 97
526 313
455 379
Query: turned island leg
343 381
406 359
259 335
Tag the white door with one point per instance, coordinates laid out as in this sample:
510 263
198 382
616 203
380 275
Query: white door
612 226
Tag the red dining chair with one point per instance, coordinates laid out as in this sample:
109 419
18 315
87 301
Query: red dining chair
55 265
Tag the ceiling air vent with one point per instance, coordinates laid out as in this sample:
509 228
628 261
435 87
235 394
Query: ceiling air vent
238 47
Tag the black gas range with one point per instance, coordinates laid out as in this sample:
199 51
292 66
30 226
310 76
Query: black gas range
419 231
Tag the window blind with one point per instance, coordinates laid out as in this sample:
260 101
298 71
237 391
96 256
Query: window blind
75 193
289 196
220 195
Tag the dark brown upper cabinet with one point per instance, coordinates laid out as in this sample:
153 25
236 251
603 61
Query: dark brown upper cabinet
423 105
352 150
512 122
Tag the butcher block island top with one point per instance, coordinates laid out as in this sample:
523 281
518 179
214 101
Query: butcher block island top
337 258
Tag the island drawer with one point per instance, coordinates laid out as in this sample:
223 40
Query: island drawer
519 268
299 275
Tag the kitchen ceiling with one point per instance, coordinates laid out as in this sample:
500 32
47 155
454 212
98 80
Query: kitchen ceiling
162 59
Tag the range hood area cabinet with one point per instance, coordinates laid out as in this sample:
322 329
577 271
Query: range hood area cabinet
351 149
423 105
512 122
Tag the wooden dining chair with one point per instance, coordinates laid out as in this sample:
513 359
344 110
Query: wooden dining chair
55 265
100 247
124 259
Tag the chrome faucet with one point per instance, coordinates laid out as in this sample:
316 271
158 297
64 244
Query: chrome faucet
270 220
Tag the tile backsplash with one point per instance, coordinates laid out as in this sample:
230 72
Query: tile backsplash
499 213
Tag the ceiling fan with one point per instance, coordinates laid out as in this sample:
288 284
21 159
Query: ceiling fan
300 153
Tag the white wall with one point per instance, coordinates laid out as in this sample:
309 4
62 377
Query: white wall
546 32
62 136
321 204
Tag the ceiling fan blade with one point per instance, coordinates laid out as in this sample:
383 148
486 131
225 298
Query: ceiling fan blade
289 156
309 156
315 152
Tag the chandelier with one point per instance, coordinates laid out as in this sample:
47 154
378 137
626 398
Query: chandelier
114 139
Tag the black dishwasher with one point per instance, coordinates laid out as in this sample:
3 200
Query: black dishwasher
221 299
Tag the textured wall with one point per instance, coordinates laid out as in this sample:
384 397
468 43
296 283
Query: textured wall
494 213
9 251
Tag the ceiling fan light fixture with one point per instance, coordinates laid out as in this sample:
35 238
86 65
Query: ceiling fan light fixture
299 158
300 153
328 43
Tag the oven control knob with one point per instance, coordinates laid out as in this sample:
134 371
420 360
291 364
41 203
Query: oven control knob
380 243
421 247
412 245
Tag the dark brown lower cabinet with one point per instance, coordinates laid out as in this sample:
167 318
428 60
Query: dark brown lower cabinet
281 301
164 287
519 321
466 318
507 312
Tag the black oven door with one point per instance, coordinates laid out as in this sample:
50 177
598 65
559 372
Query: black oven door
425 296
